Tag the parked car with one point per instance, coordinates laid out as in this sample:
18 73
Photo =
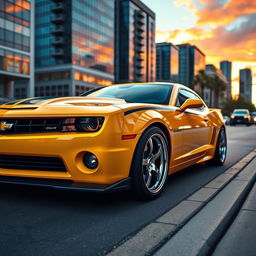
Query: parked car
115 138
253 117
226 120
240 116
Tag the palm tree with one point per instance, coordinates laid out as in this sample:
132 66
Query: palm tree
218 86
203 80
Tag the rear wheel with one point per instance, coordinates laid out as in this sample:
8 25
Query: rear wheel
150 164
221 149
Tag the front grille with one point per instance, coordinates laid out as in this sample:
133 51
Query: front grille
32 125
32 163
239 118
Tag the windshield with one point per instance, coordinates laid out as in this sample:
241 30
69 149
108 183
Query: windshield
136 93
242 112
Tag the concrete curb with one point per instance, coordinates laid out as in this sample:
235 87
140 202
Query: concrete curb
240 236
172 223
204 230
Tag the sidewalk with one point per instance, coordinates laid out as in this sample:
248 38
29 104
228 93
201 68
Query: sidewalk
204 230
198 225
240 239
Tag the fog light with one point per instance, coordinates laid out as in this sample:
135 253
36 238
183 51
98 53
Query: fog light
90 161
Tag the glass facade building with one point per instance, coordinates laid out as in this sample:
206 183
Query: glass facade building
74 46
134 42
245 84
191 60
167 62
16 52
226 68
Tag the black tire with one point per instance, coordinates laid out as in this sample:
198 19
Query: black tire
220 152
248 124
146 168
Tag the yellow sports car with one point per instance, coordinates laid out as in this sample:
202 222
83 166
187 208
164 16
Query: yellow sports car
110 138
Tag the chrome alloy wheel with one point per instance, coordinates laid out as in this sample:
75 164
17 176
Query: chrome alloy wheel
222 145
155 163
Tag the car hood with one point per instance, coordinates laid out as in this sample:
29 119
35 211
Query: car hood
66 106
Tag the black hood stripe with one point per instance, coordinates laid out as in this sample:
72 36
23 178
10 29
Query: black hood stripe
146 108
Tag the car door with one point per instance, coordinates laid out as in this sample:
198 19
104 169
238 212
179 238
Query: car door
196 131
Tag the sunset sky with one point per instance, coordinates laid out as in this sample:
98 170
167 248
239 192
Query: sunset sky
222 29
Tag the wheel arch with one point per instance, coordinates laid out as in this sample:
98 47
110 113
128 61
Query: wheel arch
164 129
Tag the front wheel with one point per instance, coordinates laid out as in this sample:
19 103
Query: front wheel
221 149
150 165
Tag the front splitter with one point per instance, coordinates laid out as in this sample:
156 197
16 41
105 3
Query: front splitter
124 184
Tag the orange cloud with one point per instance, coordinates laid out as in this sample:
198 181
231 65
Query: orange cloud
214 13
222 32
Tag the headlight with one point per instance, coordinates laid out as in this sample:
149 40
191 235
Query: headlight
82 124
89 124
254 119
246 116
232 116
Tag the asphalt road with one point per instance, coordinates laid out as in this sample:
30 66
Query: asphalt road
48 222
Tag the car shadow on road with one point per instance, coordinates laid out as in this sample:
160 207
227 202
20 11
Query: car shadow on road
68 197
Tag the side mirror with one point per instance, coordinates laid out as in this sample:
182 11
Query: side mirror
191 103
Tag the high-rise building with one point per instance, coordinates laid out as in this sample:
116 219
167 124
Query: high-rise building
74 45
16 51
245 79
214 97
226 68
134 42
191 60
167 62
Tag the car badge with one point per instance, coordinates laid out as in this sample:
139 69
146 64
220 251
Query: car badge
5 126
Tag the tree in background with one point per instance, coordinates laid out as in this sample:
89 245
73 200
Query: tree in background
212 82
203 81
218 86
230 105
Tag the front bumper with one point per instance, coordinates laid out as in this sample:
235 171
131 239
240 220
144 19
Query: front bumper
114 156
